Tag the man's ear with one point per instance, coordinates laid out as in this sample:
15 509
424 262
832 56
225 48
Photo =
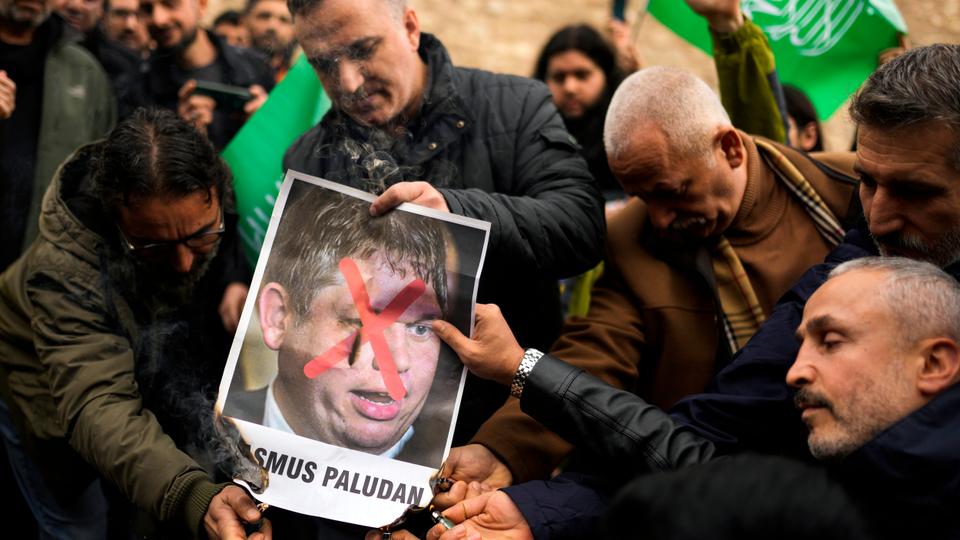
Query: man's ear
807 136
412 26
732 146
941 366
275 316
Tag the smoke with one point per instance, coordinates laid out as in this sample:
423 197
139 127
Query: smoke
180 349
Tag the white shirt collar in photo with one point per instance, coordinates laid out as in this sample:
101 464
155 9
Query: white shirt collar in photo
273 419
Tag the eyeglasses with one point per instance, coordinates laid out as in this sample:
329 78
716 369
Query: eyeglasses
160 250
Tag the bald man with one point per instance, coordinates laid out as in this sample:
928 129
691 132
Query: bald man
694 263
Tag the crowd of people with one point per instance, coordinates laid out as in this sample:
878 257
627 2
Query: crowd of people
771 345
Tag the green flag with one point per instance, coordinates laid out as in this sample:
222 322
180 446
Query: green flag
825 47
255 154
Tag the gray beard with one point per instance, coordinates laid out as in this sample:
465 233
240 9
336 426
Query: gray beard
943 253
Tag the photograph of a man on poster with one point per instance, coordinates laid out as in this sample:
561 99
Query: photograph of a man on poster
346 302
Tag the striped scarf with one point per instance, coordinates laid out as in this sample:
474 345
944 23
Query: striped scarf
741 311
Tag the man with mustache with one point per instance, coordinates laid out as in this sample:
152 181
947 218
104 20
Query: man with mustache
187 53
410 126
875 378
722 223
908 119
271 32
114 329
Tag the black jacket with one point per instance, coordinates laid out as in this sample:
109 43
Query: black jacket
240 67
496 148
907 478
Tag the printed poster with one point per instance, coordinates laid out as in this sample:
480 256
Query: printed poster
336 380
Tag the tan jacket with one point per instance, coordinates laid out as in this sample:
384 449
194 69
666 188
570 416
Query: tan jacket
653 323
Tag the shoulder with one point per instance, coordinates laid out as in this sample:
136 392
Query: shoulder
499 88
300 155
625 226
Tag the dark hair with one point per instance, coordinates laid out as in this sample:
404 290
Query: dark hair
301 7
232 16
154 153
587 40
321 227
801 109
745 497
921 85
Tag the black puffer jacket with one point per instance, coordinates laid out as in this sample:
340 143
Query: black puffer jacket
496 148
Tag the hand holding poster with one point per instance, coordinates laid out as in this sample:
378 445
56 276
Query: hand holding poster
336 380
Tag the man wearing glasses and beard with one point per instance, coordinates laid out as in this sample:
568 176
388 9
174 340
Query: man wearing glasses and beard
114 328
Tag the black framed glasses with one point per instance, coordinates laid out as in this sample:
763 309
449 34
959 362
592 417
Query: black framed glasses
158 250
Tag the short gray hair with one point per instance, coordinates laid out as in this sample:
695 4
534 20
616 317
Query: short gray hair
924 298
683 106
302 7
922 85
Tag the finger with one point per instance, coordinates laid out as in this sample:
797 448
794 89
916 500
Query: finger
474 489
187 88
265 532
467 508
394 195
452 337
456 493
241 503
460 532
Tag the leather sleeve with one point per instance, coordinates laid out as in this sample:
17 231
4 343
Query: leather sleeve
607 342
627 433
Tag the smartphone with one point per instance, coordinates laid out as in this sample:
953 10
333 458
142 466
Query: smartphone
226 96
620 10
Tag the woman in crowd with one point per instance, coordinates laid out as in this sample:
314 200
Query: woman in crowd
582 71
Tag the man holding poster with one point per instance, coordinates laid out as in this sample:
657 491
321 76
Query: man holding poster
359 405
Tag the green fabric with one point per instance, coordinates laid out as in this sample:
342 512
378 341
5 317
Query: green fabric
744 66
827 49
255 154
189 499
77 108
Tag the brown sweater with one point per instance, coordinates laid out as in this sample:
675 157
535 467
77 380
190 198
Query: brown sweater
653 324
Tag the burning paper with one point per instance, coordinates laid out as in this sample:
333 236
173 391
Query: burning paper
336 380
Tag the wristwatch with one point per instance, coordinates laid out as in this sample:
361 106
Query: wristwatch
530 358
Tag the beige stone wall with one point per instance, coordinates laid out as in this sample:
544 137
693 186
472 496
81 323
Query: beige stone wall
506 35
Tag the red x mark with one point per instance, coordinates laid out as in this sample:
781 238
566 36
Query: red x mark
371 329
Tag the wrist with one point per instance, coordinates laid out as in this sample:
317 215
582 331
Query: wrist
726 24
525 367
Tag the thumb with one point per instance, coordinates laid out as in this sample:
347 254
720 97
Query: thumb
452 336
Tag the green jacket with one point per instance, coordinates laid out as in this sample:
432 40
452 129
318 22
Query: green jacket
67 368
77 108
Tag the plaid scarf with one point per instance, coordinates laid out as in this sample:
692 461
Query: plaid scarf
741 311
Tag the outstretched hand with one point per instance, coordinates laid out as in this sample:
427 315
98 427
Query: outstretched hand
723 16
493 353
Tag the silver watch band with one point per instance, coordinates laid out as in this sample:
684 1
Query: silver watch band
530 358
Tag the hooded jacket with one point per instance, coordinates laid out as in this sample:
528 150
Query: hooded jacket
68 342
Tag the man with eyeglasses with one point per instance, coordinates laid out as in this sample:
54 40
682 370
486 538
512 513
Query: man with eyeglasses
111 344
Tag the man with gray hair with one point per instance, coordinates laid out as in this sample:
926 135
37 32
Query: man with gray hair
695 263
409 126
875 376
908 116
